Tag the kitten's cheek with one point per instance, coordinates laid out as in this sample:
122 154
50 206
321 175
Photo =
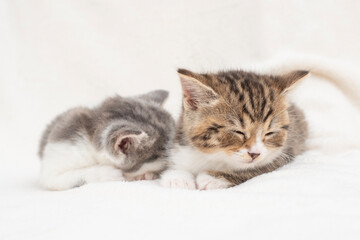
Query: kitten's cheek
240 157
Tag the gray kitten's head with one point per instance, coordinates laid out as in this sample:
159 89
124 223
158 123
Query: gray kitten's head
137 130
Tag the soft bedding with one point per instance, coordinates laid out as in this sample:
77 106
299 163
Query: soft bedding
57 55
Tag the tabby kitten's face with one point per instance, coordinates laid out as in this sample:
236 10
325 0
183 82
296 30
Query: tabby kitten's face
239 114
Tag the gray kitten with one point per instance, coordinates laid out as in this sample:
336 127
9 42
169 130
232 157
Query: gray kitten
123 138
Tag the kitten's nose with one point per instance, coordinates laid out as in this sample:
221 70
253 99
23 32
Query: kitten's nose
253 155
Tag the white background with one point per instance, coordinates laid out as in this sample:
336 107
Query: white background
58 54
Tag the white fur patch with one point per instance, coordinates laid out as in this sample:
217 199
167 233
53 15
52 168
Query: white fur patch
259 146
188 162
65 165
178 179
190 159
206 182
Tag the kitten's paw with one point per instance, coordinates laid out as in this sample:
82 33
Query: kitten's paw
205 181
150 176
145 176
178 179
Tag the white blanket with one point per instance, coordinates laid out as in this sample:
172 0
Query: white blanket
58 54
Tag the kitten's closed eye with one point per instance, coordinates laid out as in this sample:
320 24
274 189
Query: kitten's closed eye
270 134
238 132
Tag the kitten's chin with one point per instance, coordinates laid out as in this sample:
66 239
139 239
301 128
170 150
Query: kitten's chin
269 158
248 164
245 164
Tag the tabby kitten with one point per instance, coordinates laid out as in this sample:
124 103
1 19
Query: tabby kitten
234 126
123 138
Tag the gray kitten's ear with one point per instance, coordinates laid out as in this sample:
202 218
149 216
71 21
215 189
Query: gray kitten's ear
156 96
128 140
195 93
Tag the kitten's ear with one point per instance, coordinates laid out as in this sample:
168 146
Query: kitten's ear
195 93
290 80
128 140
156 96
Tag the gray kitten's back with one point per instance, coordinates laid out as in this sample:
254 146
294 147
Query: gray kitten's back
144 110
68 126
124 138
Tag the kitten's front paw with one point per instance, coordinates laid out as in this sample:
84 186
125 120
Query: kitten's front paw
145 176
178 179
205 181
149 176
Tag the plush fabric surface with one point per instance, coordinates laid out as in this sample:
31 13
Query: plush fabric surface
59 54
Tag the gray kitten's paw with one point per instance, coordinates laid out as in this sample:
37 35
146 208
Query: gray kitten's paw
178 179
145 176
205 181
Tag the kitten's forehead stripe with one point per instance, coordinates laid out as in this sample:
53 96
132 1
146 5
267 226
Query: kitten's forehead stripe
241 120
268 114
271 93
254 92
246 111
241 98
233 86
251 95
263 104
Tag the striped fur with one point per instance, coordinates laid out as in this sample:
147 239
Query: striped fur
233 111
